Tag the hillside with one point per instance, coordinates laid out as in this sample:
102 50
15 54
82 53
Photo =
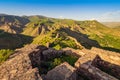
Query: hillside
15 32
13 41
12 24
46 29
57 47
112 24
60 33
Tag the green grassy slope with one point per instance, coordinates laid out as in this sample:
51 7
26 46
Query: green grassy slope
86 33
4 54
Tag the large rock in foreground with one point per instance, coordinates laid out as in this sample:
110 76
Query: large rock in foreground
62 72
19 66
26 64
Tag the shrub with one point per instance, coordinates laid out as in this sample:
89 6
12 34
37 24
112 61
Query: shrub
48 65
4 54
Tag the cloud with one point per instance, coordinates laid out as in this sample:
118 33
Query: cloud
93 19
61 17
110 16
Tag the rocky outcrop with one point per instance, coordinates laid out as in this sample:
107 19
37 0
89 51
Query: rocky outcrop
51 53
105 66
12 24
73 52
62 72
84 59
25 64
96 63
109 56
19 67
90 72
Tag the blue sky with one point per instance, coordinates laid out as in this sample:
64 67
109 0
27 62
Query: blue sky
101 10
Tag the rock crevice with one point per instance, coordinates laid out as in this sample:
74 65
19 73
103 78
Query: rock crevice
26 62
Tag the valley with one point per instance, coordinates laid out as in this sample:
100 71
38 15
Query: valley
36 47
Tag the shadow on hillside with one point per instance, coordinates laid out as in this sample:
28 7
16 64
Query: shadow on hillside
13 41
111 49
81 38
85 41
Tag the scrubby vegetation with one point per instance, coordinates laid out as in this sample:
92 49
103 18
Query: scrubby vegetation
93 29
48 65
58 33
57 40
4 54
108 41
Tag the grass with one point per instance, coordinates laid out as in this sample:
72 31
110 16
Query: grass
92 28
4 54
107 40
61 41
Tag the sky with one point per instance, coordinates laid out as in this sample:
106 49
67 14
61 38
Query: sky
101 10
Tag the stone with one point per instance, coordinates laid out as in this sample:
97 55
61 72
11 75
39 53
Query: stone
93 73
84 59
20 66
73 52
105 66
94 64
62 72
51 53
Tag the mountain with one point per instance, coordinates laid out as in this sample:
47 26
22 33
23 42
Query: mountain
16 31
60 33
44 48
84 33
112 24
13 41
12 24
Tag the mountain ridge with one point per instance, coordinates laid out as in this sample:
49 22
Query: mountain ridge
44 48
56 33
43 28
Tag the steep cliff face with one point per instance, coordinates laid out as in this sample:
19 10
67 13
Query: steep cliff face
12 24
35 29
26 63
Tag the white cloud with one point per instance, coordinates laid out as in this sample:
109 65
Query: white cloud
93 19
61 17
110 16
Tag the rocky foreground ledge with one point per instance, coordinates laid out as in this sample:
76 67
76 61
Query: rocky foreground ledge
94 64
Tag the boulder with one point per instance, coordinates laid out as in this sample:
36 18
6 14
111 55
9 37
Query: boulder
89 72
73 52
107 67
84 59
51 53
21 65
62 72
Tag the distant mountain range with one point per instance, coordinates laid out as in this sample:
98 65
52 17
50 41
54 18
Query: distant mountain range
57 33
112 24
